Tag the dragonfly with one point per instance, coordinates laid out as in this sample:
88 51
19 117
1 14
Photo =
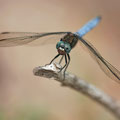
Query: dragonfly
67 41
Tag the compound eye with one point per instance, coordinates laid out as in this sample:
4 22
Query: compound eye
67 48
62 44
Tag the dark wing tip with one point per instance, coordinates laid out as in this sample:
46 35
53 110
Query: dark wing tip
4 32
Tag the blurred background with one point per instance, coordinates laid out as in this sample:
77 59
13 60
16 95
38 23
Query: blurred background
24 96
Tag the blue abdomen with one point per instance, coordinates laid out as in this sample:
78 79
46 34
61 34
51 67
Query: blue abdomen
88 26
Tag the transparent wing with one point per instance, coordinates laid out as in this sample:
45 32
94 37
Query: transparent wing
109 70
8 39
88 26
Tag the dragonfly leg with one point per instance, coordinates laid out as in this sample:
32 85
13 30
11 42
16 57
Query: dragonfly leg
67 64
54 58
61 59
67 61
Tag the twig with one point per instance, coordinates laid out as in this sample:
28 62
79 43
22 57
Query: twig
72 81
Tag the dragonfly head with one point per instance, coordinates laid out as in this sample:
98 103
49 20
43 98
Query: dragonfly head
63 47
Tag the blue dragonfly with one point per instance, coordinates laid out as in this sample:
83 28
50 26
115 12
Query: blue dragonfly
68 41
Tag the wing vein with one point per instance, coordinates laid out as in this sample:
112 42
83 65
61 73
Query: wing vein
109 70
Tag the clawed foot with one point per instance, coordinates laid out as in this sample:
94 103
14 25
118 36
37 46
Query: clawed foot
57 67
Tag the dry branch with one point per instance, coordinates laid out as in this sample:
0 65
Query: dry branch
72 81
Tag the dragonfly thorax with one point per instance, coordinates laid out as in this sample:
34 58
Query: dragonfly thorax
63 47
70 38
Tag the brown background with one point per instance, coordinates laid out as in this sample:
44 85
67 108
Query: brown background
24 96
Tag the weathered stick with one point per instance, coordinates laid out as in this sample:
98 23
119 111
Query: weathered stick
72 81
